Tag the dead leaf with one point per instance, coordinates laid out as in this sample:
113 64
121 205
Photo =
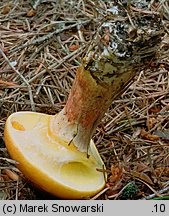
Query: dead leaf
6 9
73 47
116 172
148 136
142 176
113 191
154 110
151 122
31 13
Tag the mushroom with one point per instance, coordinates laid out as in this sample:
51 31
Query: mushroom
57 152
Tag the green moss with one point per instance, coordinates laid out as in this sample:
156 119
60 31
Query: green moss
129 191
161 198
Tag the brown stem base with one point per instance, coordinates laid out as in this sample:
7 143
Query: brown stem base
86 105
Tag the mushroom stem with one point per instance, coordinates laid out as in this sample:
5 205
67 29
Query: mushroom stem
113 59
86 105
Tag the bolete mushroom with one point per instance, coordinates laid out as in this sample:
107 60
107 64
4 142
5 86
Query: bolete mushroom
57 152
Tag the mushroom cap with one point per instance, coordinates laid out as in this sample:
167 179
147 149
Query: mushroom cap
50 163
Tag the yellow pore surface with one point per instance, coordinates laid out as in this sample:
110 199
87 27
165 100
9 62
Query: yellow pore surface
50 163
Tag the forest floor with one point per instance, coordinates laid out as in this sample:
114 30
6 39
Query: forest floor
44 43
